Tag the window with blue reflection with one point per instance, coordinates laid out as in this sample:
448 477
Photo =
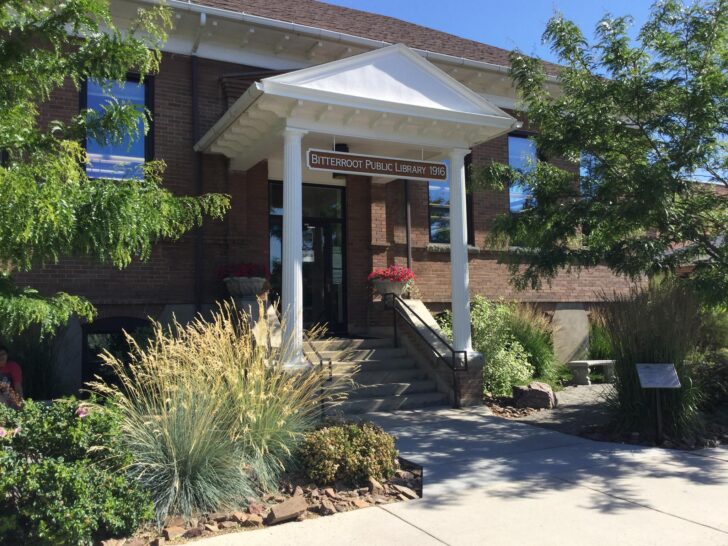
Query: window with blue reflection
123 160
439 211
521 155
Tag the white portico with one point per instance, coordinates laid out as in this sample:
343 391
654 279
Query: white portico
388 102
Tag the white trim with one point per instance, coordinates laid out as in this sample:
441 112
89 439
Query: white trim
330 35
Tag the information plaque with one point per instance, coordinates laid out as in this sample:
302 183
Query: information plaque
658 376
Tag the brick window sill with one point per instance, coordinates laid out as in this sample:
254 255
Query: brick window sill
445 247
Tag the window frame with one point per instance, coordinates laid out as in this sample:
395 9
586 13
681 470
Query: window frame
468 207
148 104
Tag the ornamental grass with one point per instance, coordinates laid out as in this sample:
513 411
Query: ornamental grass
210 417
658 323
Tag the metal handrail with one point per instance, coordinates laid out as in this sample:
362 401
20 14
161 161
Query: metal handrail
458 361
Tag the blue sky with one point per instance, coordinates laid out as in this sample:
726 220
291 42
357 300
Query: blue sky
508 24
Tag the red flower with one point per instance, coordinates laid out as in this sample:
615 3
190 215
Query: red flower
394 273
243 270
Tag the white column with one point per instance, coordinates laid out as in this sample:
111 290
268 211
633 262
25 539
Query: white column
292 255
459 252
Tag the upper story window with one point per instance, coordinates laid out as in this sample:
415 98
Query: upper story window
123 160
439 211
521 155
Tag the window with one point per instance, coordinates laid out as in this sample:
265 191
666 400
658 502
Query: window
124 160
521 155
439 210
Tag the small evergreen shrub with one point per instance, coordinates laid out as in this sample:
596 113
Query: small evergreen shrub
350 453
63 479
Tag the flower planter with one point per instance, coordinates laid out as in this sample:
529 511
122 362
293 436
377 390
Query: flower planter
244 287
384 286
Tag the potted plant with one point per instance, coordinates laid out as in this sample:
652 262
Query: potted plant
394 279
244 280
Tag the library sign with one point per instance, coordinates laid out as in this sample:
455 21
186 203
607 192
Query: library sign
370 165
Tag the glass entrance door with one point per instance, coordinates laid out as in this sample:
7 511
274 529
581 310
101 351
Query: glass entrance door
324 290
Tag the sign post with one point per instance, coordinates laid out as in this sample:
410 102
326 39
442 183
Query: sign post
658 377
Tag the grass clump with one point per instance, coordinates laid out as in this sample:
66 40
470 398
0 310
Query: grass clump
659 323
349 452
600 347
209 417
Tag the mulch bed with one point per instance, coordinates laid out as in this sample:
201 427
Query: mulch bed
504 406
715 433
297 500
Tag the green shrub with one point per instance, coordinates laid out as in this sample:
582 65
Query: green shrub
506 361
657 323
209 417
350 452
600 348
62 479
515 342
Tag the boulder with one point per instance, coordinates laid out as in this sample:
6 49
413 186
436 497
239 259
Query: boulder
287 510
534 395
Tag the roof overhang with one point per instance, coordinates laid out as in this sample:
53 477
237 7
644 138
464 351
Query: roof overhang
386 95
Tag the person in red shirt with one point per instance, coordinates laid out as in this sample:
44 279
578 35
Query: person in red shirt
11 380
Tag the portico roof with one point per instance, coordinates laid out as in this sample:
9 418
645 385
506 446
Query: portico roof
390 94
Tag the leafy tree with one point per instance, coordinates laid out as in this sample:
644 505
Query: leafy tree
648 120
49 208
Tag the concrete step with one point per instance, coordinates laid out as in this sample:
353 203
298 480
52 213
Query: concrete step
392 403
338 344
362 354
364 377
387 389
347 367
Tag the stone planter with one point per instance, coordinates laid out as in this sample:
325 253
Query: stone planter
384 286
244 286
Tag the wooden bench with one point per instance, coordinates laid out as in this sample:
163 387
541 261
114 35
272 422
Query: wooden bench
581 369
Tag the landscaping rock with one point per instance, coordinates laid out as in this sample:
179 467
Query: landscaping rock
255 508
404 475
254 520
360 503
210 527
227 525
159 541
218 517
327 508
298 492
535 395
330 493
240 517
375 487
193 533
287 510
170 533
113 542
406 491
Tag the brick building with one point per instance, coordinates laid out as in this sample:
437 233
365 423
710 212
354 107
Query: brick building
246 89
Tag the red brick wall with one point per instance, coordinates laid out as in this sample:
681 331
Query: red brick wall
168 277
376 235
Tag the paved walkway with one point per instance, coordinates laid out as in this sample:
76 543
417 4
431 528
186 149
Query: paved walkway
496 482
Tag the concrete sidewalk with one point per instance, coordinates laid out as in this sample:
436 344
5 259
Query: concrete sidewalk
497 482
